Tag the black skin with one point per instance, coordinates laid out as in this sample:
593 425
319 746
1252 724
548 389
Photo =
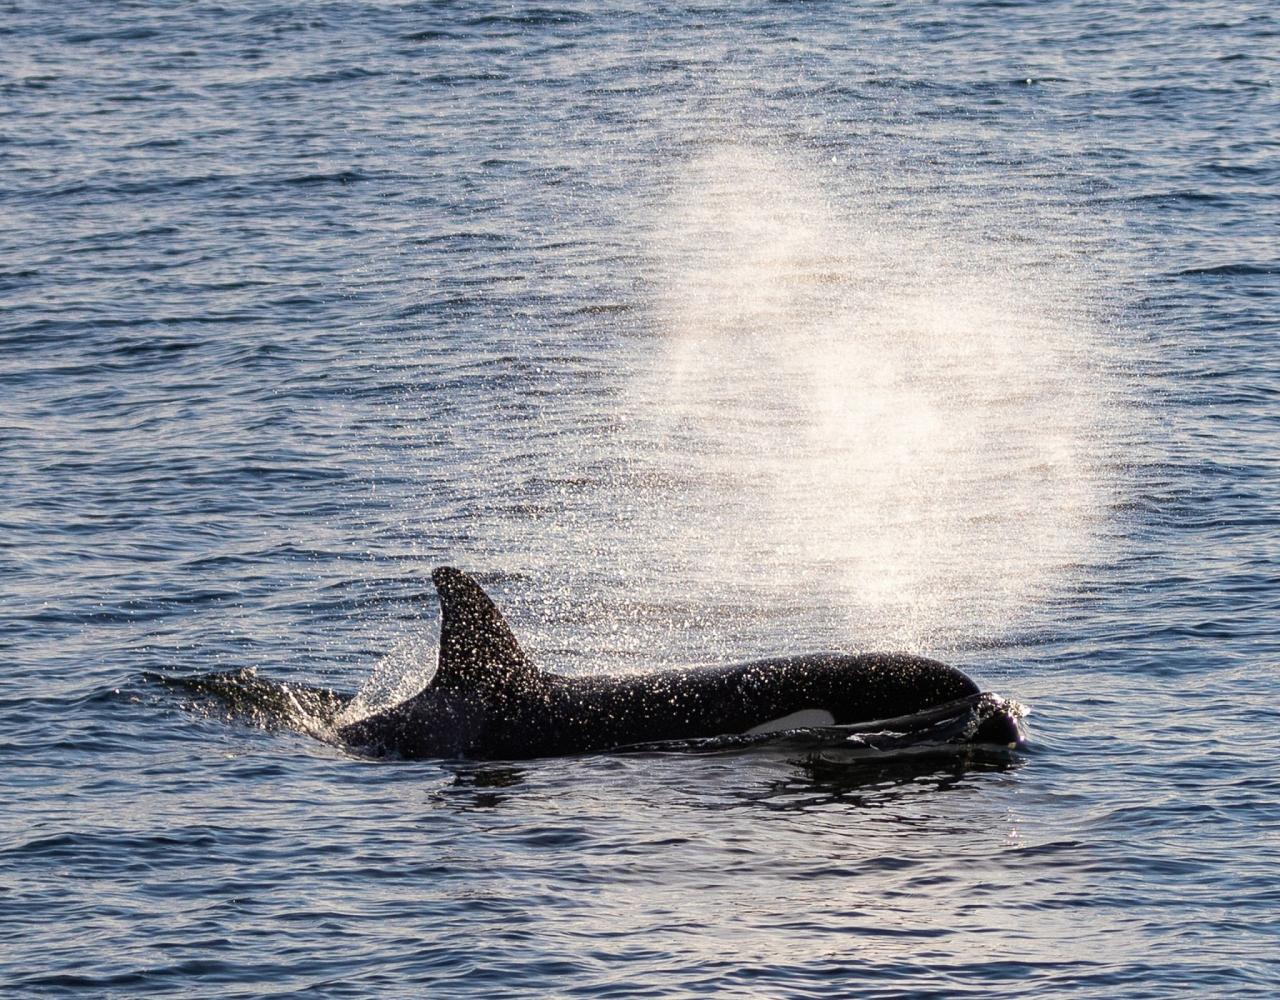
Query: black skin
487 701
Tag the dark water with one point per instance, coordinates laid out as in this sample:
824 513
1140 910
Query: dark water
698 333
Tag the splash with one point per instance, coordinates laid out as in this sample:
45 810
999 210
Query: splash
316 711
901 423
244 694
402 672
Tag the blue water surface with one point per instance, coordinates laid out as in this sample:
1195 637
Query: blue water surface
698 332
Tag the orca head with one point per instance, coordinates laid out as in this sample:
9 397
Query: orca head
1001 723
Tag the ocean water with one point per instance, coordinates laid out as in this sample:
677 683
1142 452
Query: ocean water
697 332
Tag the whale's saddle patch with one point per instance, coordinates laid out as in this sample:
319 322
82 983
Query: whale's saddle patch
477 646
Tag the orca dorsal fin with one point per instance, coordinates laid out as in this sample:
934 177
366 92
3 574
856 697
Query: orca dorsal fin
477 646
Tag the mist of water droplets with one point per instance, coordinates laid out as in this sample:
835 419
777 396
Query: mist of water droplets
840 426
898 422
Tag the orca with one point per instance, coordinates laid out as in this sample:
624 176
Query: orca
488 701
